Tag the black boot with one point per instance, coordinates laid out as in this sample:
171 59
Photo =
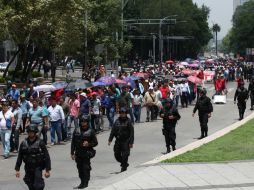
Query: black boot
206 133
240 117
123 169
168 150
82 185
202 135
173 148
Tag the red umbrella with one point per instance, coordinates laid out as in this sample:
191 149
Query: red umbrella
209 61
141 75
188 72
118 81
170 62
194 80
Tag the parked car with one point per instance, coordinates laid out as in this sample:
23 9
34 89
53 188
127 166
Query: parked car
3 66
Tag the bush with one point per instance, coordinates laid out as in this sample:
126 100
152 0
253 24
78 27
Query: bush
36 74
2 80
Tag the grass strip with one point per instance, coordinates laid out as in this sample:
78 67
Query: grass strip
236 145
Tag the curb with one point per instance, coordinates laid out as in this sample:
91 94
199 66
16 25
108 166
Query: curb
199 143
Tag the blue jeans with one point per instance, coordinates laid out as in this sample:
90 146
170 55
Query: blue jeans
137 112
110 112
131 115
55 127
5 137
70 120
64 128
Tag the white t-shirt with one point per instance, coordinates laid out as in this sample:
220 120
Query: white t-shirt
96 106
7 115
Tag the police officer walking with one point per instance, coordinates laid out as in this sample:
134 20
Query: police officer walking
83 141
170 116
205 108
251 92
123 131
34 154
241 94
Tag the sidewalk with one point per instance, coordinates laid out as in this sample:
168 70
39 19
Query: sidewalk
220 176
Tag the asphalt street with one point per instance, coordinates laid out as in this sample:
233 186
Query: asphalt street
149 143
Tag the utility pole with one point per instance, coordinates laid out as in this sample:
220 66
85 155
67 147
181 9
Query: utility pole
154 38
86 55
117 58
161 37
122 9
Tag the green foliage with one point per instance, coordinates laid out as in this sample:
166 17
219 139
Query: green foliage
18 73
36 74
216 28
225 46
242 32
236 145
191 21
2 80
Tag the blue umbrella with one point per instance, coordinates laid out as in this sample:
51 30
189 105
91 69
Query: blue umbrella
107 80
98 83
134 78
132 82
59 85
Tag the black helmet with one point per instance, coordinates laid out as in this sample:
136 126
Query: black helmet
203 91
84 118
123 110
33 128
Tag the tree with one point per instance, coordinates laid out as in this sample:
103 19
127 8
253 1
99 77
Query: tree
57 26
216 29
225 46
191 21
242 32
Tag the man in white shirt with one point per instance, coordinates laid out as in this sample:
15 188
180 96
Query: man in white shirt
56 116
185 91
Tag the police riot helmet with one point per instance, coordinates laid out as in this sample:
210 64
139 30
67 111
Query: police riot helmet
123 110
84 119
32 128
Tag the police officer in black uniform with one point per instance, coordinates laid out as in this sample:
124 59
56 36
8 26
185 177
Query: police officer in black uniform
251 92
123 131
34 154
170 116
205 108
83 141
241 94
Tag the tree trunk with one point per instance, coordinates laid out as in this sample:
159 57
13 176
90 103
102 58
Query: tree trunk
216 43
21 60
11 61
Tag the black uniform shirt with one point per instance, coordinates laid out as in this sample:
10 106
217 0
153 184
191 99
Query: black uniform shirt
43 152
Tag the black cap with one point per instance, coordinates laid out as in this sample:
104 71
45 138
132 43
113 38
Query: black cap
33 128
84 118
203 91
123 110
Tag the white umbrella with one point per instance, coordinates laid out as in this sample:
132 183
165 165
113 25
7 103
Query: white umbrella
45 88
184 63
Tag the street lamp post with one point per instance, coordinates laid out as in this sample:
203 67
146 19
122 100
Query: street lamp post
160 36
154 38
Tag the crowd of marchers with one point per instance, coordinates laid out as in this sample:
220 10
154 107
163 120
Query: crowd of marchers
78 115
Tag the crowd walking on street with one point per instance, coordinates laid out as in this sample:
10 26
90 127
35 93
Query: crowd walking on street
75 112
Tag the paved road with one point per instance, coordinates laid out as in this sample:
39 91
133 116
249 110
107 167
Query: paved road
149 143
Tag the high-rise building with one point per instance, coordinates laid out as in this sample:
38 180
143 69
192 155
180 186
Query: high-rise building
238 3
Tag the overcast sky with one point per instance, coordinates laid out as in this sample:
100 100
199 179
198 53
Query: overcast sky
221 12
